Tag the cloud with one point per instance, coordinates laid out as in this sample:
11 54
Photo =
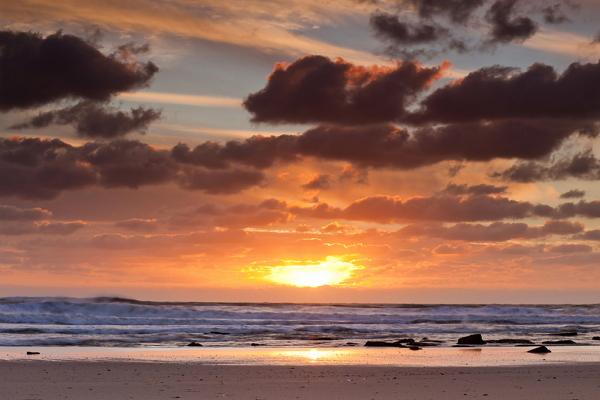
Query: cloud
458 11
501 92
12 213
138 224
573 194
554 14
389 27
388 145
495 232
481 189
96 120
570 248
439 208
36 168
317 89
581 166
587 209
506 27
319 182
30 62
43 227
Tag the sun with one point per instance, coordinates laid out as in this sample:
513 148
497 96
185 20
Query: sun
331 271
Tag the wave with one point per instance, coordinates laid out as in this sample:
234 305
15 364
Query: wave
114 321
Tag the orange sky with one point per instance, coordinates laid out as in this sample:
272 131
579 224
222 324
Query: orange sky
376 175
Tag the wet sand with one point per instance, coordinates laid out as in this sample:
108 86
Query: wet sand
102 380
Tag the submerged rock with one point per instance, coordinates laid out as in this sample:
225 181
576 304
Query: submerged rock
379 343
511 341
194 344
559 342
471 339
540 350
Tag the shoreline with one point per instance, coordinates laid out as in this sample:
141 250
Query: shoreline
100 380
324 356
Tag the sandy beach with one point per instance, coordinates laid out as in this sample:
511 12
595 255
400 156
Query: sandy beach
48 380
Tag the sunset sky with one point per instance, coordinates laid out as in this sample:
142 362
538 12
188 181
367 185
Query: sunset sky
409 151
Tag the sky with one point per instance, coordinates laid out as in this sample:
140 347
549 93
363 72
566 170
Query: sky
413 151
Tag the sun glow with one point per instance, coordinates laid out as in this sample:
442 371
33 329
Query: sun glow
331 271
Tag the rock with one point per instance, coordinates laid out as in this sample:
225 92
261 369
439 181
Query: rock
378 343
352 344
218 333
194 344
405 341
415 348
565 333
540 350
596 338
427 344
511 341
559 342
255 344
32 353
471 339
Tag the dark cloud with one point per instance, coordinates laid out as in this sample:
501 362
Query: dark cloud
388 145
319 182
501 92
587 209
12 213
458 11
554 14
96 120
389 27
573 194
44 228
317 89
439 208
590 235
495 232
506 26
581 166
481 189
221 181
66 67
36 168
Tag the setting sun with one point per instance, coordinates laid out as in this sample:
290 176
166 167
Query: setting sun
331 271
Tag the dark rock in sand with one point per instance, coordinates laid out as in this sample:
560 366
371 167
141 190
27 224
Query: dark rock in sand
427 344
565 334
559 342
511 341
540 350
32 353
194 344
471 339
415 348
596 338
351 344
255 344
378 343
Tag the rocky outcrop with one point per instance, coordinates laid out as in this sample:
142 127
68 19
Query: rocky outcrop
559 342
540 350
471 340
194 344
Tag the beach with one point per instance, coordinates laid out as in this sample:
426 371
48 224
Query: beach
46 380
298 373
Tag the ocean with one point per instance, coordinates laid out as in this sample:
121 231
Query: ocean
116 322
